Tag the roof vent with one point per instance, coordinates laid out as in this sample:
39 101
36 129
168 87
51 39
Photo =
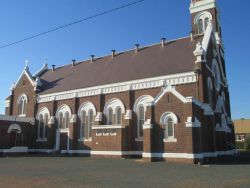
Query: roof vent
137 48
53 68
113 53
92 58
163 42
73 62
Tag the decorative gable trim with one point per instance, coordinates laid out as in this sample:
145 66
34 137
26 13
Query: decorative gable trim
202 5
28 75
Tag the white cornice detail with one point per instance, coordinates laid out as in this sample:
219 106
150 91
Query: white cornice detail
175 79
202 5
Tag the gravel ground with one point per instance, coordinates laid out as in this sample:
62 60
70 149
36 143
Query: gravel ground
92 172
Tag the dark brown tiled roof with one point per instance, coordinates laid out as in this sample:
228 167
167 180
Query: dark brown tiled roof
176 57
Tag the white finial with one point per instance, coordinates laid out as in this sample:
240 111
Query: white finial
26 64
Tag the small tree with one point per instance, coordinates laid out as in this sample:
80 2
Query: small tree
247 142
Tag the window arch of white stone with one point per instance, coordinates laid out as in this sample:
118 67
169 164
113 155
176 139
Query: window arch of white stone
145 100
87 106
63 108
165 121
22 101
14 128
113 104
201 20
217 76
63 116
43 111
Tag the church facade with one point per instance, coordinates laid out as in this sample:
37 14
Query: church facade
167 101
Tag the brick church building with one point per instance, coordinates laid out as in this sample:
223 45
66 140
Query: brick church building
167 101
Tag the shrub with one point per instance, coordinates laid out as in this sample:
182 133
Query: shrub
247 142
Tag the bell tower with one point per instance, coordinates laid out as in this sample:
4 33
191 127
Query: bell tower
202 12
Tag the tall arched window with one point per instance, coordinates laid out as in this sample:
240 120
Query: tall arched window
141 119
113 110
140 107
66 120
169 120
63 117
110 116
86 113
43 120
200 26
118 116
90 123
169 128
83 124
217 77
22 105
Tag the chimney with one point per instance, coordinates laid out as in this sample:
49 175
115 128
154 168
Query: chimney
191 35
92 58
73 62
163 42
113 53
137 48
53 68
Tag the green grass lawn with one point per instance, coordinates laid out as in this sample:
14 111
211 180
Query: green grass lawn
91 172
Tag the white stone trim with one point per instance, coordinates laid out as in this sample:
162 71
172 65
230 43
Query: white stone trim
29 76
114 103
91 152
98 127
73 118
87 106
17 149
195 123
128 115
18 119
147 124
41 150
174 79
41 140
207 36
98 117
169 140
43 111
14 127
7 103
202 5
188 155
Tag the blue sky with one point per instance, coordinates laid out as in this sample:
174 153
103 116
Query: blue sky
144 23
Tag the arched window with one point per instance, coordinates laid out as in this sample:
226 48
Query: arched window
169 120
90 123
83 124
200 26
66 120
113 110
140 107
86 113
63 117
110 116
60 120
43 120
22 105
141 119
202 20
169 128
40 127
118 116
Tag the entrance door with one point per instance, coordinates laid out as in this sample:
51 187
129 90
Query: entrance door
13 139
